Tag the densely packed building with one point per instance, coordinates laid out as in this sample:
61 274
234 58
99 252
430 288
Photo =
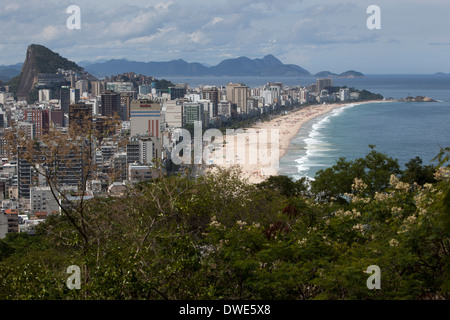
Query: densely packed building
149 123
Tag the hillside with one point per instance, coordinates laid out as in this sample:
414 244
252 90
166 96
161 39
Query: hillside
346 74
39 59
351 74
325 74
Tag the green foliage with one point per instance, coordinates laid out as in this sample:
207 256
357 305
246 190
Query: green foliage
286 186
367 95
163 84
14 83
47 61
219 237
375 169
416 172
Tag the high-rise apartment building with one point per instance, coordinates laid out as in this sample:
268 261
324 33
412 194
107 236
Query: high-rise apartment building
26 175
212 94
238 93
323 84
125 102
97 88
110 103
174 113
74 95
64 98
344 94
82 85
224 108
56 117
44 95
40 119
79 114
146 118
304 95
194 111
177 92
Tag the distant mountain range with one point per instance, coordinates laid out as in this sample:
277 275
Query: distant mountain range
22 77
242 66
9 72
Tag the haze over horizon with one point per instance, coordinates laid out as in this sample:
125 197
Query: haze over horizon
331 36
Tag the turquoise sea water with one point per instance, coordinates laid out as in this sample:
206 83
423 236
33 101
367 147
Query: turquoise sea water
399 129
402 130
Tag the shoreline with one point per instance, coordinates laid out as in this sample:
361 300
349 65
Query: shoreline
288 126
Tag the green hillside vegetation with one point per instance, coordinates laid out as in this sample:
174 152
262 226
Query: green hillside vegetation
218 237
41 60
364 95
14 83
48 61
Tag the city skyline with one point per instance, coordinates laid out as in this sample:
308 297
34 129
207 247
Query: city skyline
330 36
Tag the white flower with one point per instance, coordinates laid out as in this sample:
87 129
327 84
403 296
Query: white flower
396 210
428 186
393 181
343 214
380 196
358 185
241 224
442 173
256 225
397 184
393 243
214 222
411 219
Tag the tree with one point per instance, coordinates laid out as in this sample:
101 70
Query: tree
219 237
416 172
286 186
65 160
375 169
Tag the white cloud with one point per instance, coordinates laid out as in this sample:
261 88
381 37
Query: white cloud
208 31
49 33
216 20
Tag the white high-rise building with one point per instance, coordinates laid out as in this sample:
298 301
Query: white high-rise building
44 95
174 113
268 96
224 108
304 95
344 94
82 85
146 118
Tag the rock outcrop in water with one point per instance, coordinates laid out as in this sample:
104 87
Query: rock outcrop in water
418 99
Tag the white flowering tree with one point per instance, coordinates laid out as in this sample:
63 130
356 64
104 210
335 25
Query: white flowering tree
218 237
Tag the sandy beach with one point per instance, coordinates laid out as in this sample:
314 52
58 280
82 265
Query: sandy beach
256 150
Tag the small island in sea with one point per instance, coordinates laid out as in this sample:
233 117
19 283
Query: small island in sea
418 99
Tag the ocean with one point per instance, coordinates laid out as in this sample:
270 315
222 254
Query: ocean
402 130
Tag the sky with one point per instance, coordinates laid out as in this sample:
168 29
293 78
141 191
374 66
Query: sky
327 35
